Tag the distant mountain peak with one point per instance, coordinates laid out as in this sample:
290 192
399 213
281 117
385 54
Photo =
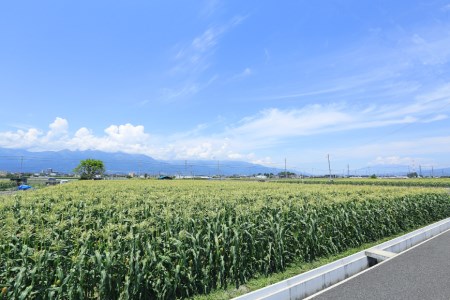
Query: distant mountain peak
64 161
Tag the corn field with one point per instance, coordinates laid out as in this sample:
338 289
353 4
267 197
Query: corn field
413 182
174 239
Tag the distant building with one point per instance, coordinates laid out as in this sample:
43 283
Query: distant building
51 181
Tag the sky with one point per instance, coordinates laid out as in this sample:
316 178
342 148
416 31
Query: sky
365 82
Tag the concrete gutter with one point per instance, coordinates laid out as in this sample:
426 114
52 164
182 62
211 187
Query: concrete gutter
311 282
379 255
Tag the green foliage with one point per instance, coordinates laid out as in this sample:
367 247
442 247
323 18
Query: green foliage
373 176
90 169
6 185
415 182
286 174
174 239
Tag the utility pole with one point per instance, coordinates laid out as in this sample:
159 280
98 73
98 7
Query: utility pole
218 169
432 171
285 170
21 165
348 170
185 168
420 170
329 165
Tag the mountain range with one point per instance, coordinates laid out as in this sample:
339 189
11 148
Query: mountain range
401 170
17 160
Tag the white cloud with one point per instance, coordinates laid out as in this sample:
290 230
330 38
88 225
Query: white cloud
438 117
263 131
410 148
413 161
441 93
186 90
126 138
127 134
393 67
58 128
295 122
235 156
142 103
245 73
207 40
393 160
210 7
267 161
431 51
83 140
20 138
274 124
194 58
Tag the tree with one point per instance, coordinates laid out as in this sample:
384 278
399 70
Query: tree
412 175
90 169
286 174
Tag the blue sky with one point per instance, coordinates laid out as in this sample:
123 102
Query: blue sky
367 82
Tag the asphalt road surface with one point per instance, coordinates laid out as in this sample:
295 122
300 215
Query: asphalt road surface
7 192
421 273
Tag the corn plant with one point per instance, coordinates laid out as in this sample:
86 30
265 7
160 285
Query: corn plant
172 240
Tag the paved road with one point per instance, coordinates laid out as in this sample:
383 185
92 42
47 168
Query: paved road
421 273
7 192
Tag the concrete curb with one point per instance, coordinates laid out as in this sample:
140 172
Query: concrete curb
311 282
